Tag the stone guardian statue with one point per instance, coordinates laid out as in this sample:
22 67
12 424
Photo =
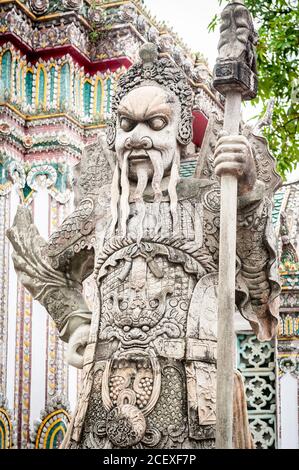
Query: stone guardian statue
151 242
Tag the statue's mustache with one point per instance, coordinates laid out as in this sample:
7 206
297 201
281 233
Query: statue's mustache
145 147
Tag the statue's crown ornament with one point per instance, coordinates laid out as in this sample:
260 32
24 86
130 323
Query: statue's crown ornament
151 70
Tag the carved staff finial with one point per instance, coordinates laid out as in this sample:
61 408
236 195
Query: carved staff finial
235 77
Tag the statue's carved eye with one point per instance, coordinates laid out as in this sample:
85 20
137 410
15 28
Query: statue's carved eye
127 124
157 123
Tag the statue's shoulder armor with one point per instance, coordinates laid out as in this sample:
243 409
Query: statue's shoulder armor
77 231
74 234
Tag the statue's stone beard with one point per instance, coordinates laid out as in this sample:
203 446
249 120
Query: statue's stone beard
120 192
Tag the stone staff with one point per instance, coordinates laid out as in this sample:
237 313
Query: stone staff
235 77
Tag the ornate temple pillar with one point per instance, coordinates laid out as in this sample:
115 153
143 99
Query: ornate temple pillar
6 416
23 366
12 308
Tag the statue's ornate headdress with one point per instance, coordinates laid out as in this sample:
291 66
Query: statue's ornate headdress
164 73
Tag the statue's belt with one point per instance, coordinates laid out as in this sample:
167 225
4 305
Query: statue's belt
188 349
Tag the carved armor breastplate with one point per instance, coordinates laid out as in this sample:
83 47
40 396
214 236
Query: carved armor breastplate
151 302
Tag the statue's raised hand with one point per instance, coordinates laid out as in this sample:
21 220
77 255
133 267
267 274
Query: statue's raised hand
76 346
233 156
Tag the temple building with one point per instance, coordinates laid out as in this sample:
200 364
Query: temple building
60 61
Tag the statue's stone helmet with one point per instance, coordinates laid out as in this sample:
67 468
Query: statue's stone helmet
160 72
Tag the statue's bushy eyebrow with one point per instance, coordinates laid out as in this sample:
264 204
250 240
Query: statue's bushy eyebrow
123 109
150 111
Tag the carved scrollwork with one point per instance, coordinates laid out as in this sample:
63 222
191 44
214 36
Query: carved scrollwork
93 172
289 365
72 230
151 437
212 200
265 162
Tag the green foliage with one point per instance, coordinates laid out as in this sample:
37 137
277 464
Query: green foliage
277 53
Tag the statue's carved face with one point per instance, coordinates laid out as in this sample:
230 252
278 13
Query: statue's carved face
148 119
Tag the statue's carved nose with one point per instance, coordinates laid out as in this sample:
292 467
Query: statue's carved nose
144 143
